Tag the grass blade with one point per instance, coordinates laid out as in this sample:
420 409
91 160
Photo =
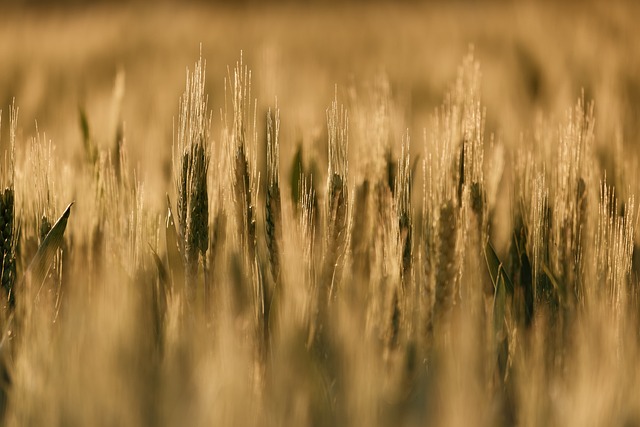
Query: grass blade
163 274
90 150
496 269
176 267
41 262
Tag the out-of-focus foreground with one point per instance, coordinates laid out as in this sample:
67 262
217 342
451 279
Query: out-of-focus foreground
373 215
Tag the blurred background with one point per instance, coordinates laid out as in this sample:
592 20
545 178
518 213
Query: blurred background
126 62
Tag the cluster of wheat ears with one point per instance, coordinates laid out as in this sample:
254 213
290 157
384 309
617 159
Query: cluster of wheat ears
349 296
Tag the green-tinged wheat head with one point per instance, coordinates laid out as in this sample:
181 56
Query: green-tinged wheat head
192 163
403 209
243 154
7 228
273 213
337 195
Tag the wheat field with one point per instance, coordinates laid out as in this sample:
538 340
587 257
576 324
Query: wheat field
328 214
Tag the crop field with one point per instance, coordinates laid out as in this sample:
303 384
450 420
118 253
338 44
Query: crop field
320 214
